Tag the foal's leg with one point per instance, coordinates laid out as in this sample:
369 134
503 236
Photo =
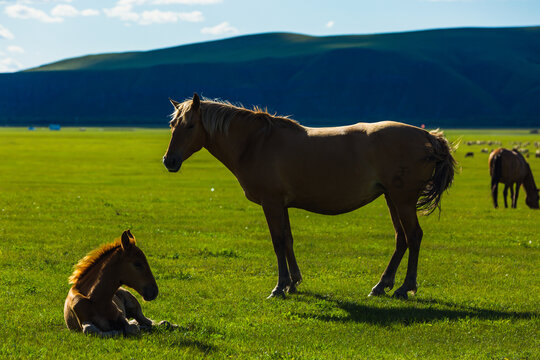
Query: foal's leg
294 270
515 196
277 219
505 193
388 276
133 308
413 236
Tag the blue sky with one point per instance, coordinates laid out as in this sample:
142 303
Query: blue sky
35 32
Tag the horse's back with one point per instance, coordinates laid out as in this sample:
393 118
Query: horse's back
338 169
509 165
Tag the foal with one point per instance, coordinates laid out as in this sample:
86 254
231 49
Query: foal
96 303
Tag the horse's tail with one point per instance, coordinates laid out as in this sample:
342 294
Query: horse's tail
495 168
443 175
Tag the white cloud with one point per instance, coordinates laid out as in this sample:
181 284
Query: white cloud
186 2
19 11
124 11
64 10
15 49
330 24
5 33
89 12
160 17
9 65
221 29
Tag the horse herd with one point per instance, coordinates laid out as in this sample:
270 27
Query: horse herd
281 164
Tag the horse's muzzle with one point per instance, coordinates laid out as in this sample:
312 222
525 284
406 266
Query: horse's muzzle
172 164
150 292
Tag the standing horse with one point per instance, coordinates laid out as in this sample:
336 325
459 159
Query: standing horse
281 164
510 167
96 304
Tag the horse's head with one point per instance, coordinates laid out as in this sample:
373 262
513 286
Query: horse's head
134 269
188 134
532 200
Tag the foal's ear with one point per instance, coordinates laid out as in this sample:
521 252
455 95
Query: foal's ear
196 102
174 103
126 240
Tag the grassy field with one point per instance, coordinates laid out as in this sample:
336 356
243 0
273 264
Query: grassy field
65 193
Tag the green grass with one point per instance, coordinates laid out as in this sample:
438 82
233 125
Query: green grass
64 193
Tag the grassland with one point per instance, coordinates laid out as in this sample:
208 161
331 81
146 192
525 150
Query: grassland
64 193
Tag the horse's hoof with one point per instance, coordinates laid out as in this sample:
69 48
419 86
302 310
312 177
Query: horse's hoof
292 289
375 292
277 293
400 294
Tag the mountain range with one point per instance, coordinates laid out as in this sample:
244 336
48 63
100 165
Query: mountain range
465 77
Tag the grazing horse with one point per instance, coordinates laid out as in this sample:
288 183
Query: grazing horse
281 164
510 167
96 303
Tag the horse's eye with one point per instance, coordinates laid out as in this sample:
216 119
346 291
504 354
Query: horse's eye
190 126
138 265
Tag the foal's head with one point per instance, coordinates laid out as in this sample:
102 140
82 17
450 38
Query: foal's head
133 268
188 133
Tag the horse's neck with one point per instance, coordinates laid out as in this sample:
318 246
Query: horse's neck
528 182
231 147
101 282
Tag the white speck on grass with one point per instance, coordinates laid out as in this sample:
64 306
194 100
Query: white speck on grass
212 189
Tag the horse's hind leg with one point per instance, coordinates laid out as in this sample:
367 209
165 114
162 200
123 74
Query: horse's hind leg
505 194
413 236
388 276
494 192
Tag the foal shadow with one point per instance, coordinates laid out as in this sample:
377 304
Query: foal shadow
406 313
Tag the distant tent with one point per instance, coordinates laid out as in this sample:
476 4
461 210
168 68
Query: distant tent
54 127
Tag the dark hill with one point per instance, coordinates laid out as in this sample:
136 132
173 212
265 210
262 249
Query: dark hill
452 77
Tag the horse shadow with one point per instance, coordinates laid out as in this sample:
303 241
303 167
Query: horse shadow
407 314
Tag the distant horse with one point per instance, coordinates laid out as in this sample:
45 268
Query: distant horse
281 164
510 167
96 304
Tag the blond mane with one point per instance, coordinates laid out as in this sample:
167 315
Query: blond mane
92 258
218 114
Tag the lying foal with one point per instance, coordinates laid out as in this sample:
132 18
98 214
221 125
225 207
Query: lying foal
97 304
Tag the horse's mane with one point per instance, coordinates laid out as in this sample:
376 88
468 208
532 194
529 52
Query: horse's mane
217 116
92 258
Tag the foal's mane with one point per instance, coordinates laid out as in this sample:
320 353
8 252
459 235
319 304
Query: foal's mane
218 114
94 257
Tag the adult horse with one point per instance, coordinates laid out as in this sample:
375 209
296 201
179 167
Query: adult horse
281 164
510 168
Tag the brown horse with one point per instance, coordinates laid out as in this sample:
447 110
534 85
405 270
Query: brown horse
281 164
510 167
96 304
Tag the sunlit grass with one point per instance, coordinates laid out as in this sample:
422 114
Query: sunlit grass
64 193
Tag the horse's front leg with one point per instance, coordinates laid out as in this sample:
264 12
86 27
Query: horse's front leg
277 220
90 329
515 195
296 276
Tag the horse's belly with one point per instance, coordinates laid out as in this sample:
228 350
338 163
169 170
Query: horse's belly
333 201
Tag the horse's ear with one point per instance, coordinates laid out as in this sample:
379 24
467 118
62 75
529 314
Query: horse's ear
130 235
174 103
126 241
196 102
